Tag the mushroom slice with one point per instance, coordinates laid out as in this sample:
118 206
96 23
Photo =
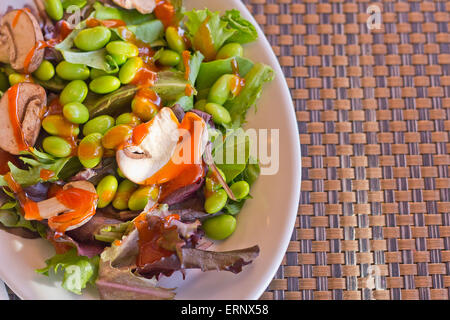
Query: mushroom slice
140 162
143 6
26 103
53 207
20 36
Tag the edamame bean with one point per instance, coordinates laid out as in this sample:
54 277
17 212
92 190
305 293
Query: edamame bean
104 84
90 150
57 125
129 70
76 112
143 107
219 114
99 124
230 50
129 119
224 88
72 71
122 48
45 72
92 39
124 192
74 91
212 182
116 136
57 146
15 78
219 227
120 59
141 196
200 105
174 40
54 9
106 191
216 201
169 58
120 173
4 82
240 189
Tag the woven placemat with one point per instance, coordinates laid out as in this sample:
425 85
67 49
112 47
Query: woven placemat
373 112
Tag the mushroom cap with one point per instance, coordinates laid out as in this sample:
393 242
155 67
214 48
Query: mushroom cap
143 6
31 100
140 162
20 35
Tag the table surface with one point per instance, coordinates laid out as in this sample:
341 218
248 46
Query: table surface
373 112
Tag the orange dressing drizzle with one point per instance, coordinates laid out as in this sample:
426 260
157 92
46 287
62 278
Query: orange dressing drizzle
236 83
17 16
45 174
29 208
109 23
13 96
165 12
145 51
203 41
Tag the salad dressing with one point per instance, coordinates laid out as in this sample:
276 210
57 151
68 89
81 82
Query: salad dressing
45 174
165 12
29 208
203 41
236 83
18 14
109 23
13 96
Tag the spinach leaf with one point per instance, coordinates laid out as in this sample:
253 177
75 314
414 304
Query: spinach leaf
110 104
211 71
170 86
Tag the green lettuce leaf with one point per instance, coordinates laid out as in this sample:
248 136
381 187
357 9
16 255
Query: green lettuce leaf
78 270
13 219
254 80
147 32
245 31
206 29
170 86
131 17
39 161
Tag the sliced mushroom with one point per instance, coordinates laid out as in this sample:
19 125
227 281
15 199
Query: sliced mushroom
29 104
143 6
53 207
20 36
142 161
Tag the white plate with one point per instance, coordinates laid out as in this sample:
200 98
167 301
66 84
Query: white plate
267 220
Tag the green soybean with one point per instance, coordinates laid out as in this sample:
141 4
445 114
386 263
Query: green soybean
45 72
56 124
120 59
174 40
74 91
99 124
54 9
90 150
139 198
216 201
200 105
122 48
221 90
120 173
219 114
128 119
211 181
124 192
106 190
129 70
15 78
92 39
169 58
230 50
240 189
57 147
219 227
76 112
72 71
104 84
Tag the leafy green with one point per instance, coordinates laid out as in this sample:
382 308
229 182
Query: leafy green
185 102
211 71
110 104
206 29
170 85
13 219
39 161
148 32
79 3
254 80
113 232
194 66
55 84
78 270
245 31
232 154
131 17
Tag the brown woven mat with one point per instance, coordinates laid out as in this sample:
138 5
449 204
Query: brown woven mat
373 111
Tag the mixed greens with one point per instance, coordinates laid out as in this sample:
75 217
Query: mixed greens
121 96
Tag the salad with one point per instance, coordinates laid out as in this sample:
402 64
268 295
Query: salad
122 141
